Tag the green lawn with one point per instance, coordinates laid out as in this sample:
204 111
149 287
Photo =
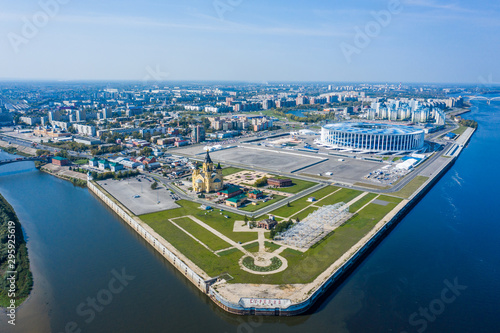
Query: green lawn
363 201
344 195
81 162
411 187
314 176
260 205
302 203
367 185
252 247
228 252
230 170
303 214
389 198
202 234
212 218
298 185
202 257
460 130
271 247
295 206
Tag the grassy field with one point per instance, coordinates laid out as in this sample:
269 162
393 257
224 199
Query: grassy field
314 176
411 187
230 170
298 185
368 185
212 218
303 214
363 201
252 208
302 203
81 162
302 267
344 195
202 234
271 247
203 258
252 247
460 130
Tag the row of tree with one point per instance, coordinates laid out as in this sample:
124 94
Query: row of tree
309 118
468 123
106 150
114 175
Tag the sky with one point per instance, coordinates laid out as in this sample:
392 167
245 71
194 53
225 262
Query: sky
436 41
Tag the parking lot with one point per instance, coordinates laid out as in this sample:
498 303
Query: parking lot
136 194
347 171
280 160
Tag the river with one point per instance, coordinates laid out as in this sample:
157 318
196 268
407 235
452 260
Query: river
443 256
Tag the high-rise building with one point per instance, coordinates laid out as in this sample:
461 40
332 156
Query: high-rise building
81 115
197 134
267 104
301 100
107 113
54 116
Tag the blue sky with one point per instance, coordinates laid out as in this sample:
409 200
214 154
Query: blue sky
251 40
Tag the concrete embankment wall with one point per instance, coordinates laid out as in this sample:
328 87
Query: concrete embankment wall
197 280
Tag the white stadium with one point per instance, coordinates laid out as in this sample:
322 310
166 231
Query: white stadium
372 138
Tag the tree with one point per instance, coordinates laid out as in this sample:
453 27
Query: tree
261 182
147 151
63 153
246 219
40 152
154 186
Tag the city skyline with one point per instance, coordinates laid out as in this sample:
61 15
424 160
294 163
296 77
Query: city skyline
381 41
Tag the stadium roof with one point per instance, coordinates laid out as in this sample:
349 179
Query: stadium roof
373 128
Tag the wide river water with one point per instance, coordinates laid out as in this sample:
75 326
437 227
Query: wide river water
437 271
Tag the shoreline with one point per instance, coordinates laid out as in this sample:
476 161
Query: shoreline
21 254
339 270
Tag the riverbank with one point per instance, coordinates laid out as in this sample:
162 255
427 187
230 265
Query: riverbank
17 149
14 260
76 178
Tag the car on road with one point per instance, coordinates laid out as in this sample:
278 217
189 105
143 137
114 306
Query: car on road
137 196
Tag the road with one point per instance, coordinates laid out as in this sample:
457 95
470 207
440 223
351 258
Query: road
263 211
29 144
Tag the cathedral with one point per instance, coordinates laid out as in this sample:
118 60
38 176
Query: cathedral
208 179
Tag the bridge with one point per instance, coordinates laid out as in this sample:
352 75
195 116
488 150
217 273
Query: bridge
482 98
24 159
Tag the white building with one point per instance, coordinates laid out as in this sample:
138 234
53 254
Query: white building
85 129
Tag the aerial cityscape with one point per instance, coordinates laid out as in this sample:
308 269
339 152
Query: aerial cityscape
260 192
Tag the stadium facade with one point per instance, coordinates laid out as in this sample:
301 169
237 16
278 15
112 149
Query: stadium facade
371 137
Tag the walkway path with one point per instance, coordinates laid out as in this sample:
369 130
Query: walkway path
220 235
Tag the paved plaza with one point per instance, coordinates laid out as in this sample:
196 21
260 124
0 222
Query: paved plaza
126 191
